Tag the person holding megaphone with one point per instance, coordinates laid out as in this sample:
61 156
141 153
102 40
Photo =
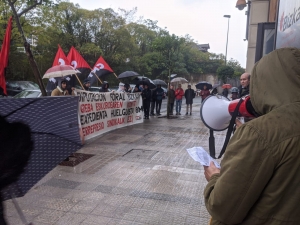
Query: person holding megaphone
259 179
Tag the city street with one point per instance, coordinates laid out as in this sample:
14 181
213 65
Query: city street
140 174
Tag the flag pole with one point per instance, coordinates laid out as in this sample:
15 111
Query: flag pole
97 77
79 81
116 76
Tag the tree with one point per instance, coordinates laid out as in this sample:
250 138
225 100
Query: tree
238 69
125 43
225 72
24 8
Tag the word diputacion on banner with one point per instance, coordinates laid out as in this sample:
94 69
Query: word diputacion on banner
101 112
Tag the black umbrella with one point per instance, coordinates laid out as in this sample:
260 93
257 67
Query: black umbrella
201 85
159 82
144 80
128 74
54 130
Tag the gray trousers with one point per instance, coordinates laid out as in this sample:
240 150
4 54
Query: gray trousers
187 108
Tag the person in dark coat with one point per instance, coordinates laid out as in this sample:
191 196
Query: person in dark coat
127 88
189 94
105 87
234 93
245 83
153 101
171 96
225 92
136 89
159 96
146 95
86 84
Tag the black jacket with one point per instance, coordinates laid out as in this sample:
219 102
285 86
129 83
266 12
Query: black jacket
146 95
243 91
153 95
225 92
103 89
189 94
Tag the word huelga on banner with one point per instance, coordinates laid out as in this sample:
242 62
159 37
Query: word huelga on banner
101 112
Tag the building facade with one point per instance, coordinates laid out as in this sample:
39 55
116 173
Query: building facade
260 30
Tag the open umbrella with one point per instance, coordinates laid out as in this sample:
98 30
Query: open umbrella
179 80
54 131
144 80
60 71
159 82
128 74
228 86
201 85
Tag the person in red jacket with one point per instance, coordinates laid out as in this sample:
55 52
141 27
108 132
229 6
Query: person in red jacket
178 96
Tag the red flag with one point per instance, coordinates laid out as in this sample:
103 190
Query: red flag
100 68
4 55
60 58
76 60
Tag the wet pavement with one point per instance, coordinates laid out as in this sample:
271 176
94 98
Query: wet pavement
141 174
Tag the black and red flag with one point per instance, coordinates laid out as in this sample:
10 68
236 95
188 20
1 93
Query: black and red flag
4 56
101 68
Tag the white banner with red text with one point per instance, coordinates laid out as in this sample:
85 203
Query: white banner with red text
101 112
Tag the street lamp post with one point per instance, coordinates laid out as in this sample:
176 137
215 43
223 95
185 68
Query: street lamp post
227 16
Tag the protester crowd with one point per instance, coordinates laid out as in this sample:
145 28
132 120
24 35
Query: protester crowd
152 99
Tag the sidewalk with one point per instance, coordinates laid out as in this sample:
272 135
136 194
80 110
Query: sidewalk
140 174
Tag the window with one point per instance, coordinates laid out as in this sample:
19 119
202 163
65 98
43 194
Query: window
265 40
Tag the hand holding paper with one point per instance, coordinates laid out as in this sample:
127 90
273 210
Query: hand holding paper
201 156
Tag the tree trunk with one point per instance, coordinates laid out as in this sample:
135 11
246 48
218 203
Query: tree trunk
35 68
32 62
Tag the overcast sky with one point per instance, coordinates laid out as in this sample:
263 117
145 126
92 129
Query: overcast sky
202 19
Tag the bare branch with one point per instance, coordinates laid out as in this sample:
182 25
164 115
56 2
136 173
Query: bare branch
13 2
37 2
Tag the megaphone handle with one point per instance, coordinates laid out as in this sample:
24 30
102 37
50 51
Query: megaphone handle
230 128
212 150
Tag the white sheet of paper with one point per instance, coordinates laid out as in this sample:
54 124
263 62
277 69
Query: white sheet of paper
201 156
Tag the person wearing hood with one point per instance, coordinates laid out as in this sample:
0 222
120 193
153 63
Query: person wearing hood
61 90
259 178
121 87
104 87
86 84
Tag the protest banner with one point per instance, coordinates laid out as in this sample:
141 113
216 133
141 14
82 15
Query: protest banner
101 112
